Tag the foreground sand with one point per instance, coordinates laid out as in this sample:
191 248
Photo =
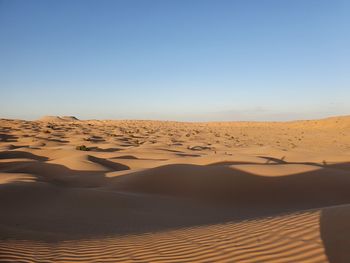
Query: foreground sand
153 191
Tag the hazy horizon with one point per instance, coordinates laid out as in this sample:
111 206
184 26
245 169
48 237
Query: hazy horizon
175 60
155 117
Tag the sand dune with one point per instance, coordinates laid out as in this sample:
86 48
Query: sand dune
58 118
152 191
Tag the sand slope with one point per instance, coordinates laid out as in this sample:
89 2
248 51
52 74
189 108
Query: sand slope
152 191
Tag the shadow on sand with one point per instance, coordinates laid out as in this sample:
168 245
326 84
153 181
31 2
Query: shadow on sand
335 233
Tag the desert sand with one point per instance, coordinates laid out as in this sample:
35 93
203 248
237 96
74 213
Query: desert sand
161 191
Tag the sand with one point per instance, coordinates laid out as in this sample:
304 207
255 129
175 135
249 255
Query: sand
157 191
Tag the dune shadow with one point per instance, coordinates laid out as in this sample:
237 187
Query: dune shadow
233 163
54 174
109 164
341 166
14 147
335 233
187 155
132 157
95 139
52 139
8 137
199 148
171 150
274 160
129 157
98 149
21 154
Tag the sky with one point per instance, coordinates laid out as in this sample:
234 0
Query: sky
175 60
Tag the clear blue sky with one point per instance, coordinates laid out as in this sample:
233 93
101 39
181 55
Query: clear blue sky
182 60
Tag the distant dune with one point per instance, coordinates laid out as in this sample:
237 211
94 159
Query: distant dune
154 191
57 118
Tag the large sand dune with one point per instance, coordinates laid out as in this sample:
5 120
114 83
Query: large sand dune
153 191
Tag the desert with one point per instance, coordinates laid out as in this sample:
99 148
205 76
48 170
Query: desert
162 191
177 131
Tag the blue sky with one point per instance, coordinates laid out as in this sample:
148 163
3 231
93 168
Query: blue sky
177 60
